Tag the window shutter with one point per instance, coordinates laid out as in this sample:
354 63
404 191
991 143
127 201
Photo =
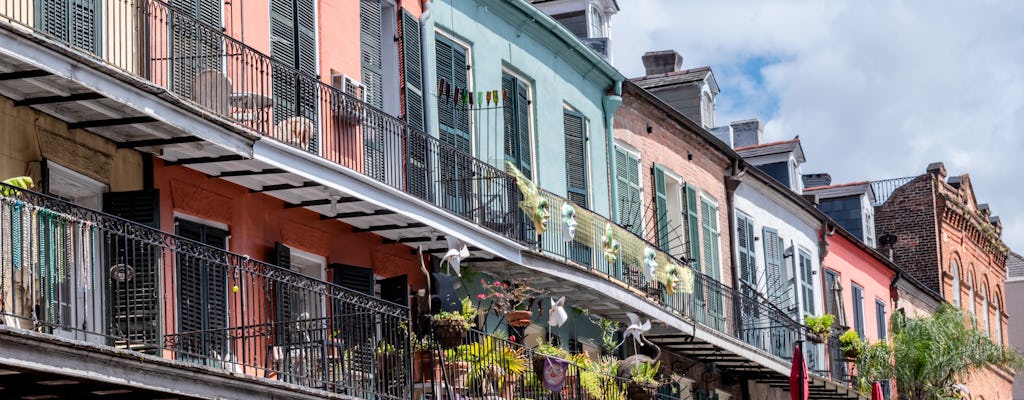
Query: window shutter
708 238
745 244
661 206
522 102
355 278
370 17
196 47
308 90
135 305
283 49
628 177
693 227
508 85
52 18
807 282
443 63
74 21
773 264
413 70
575 157
202 290
283 258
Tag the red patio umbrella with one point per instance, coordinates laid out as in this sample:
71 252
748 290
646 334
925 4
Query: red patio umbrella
876 391
798 385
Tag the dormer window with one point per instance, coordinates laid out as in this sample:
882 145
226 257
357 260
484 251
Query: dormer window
596 22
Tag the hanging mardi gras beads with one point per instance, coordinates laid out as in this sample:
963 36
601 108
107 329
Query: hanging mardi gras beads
16 235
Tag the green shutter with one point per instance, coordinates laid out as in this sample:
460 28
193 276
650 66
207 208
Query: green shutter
76 22
453 124
516 114
195 41
628 178
575 157
412 68
773 261
745 244
371 48
661 206
692 227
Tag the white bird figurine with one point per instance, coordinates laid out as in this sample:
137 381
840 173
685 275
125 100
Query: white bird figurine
457 251
636 329
558 315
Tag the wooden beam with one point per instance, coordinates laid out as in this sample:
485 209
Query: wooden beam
158 142
285 186
205 160
58 99
32 73
110 122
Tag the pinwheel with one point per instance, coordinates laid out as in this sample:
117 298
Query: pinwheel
534 205
610 244
457 251
636 329
557 315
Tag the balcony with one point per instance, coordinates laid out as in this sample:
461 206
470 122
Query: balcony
92 279
168 84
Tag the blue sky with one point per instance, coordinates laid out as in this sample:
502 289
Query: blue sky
876 89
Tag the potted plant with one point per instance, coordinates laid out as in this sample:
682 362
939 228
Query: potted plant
424 359
818 327
451 327
644 384
541 354
512 299
493 366
850 344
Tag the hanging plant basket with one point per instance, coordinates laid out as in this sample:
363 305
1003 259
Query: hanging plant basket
519 318
851 354
818 338
641 391
450 333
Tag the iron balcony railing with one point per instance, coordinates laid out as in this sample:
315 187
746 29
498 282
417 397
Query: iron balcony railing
188 57
85 275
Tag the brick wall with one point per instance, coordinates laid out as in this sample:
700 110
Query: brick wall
669 144
910 215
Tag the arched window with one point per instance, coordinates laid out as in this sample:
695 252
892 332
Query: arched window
954 270
984 311
999 320
970 293
596 22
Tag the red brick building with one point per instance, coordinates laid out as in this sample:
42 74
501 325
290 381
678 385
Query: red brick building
952 245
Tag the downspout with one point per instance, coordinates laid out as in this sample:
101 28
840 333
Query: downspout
611 103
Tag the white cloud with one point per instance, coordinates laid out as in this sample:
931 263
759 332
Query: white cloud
876 89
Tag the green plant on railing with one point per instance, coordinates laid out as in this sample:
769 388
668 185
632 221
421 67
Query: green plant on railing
545 348
646 372
850 344
493 364
597 379
819 327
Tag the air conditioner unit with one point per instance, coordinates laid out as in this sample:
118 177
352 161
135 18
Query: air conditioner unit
343 107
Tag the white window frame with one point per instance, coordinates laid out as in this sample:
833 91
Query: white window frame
311 260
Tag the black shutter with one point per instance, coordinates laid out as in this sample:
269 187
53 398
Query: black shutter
134 303
395 289
202 294
516 112
283 258
412 67
575 157
196 42
355 278
370 18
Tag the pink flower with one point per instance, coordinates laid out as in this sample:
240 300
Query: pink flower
512 338
481 296
499 295
497 283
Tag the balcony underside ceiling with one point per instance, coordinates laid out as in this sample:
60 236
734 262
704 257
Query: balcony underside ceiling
24 383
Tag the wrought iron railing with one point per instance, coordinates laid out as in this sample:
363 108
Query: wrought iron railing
198 62
82 274
885 188
764 326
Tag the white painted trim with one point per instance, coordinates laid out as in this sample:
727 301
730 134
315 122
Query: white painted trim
203 221
345 180
312 258
130 94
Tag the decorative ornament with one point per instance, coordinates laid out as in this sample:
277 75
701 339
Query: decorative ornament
554 374
457 251
636 330
534 205
557 315
650 263
234 288
610 245
685 279
569 222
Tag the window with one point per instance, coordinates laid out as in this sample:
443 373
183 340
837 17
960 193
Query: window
881 317
807 282
984 311
778 170
668 205
857 292
77 22
516 113
747 253
831 305
970 291
202 290
999 321
710 237
576 157
596 23
846 211
627 175
707 111
954 270
453 126
773 261
293 42
575 22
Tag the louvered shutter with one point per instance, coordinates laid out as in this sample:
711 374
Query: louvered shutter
216 302
661 206
282 258
196 42
135 307
712 258
413 70
692 227
76 22
773 265
283 49
371 48
522 102
628 176
308 89
52 18
575 157
456 171
745 244
508 86
202 293
443 62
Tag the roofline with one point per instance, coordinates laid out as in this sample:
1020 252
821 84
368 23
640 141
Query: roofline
838 185
567 37
629 86
756 146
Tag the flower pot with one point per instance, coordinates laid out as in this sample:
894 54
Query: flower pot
456 373
851 354
641 391
423 366
816 337
519 318
449 333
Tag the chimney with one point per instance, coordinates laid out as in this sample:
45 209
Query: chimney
815 180
661 62
747 132
886 246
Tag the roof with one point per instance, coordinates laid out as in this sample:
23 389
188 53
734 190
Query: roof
614 3
653 82
766 149
1015 266
842 190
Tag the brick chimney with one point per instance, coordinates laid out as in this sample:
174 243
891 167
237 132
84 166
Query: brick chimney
661 62
747 132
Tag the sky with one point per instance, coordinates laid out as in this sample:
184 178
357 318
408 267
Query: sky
875 89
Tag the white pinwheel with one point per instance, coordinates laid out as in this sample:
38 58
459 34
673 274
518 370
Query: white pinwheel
636 329
557 316
457 251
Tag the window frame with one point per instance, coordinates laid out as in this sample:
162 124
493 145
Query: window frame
881 318
806 281
857 297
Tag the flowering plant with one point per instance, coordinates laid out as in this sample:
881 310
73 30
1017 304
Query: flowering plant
508 296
